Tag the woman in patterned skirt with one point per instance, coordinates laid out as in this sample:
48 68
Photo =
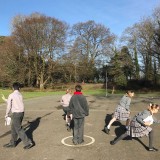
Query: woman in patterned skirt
122 112
140 126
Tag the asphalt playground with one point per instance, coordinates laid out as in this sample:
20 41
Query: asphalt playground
44 124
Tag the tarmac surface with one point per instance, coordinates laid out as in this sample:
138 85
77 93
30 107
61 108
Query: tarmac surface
45 125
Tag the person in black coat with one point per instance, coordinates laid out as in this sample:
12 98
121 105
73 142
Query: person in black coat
78 108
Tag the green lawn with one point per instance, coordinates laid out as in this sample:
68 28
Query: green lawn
94 92
33 94
28 95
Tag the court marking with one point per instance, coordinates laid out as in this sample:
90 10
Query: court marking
80 145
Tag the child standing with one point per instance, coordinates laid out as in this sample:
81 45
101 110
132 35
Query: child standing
78 107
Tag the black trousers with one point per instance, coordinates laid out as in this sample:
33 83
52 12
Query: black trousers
78 130
17 130
150 138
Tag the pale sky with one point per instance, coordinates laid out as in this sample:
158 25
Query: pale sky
116 15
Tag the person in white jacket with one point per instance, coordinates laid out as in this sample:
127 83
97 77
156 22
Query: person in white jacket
65 104
15 107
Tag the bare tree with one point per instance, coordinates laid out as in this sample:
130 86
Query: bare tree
156 37
91 42
13 66
43 40
140 41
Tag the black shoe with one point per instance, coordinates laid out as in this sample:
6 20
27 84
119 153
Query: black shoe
107 131
30 145
81 142
153 149
75 143
68 129
9 145
112 142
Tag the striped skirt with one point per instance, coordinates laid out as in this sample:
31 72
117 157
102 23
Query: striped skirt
121 114
137 130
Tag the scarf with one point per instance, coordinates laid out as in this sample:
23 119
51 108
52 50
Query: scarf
77 93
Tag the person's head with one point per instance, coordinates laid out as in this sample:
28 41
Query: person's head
78 88
68 90
153 108
16 86
130 93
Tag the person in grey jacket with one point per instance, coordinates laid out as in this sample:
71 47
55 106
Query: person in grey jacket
122 111
140 126
79 109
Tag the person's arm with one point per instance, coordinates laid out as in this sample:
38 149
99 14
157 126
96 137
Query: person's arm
128 102
3 97
71 116
86 107
62 101
70 107
9 106
141 117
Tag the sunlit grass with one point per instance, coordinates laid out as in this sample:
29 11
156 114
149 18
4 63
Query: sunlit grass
98 92
34 94
27 95
93 92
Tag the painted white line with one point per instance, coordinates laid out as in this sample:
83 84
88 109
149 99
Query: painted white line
81 145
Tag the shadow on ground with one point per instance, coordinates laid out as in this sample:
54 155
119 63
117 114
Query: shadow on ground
29 128
121 130
107 120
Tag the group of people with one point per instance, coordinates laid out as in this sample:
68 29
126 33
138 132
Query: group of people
73 105
76 108
139 125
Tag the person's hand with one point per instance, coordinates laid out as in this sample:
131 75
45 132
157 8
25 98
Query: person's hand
71 116
5 116
3 97
147 123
